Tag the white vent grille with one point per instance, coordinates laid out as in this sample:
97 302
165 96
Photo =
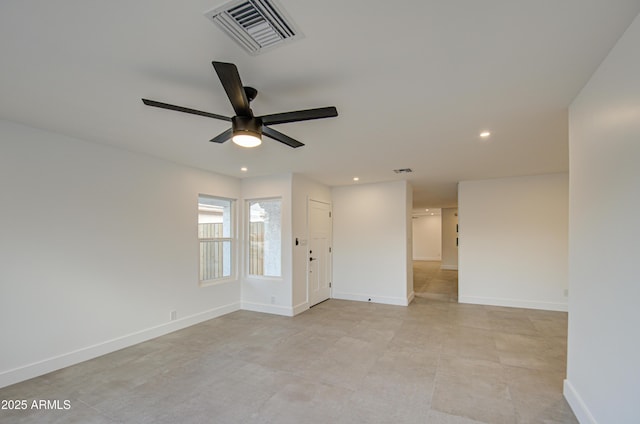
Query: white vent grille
256 25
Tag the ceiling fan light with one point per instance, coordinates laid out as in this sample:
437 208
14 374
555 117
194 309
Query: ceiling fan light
247 131
246 140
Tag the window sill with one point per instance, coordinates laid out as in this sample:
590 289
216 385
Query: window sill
217 282
263 278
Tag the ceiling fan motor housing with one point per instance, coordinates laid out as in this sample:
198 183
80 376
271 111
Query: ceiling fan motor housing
247 125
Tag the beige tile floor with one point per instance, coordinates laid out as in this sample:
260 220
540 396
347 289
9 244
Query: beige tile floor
431 282
435 361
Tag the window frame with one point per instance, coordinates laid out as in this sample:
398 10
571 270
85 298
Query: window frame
232 239
247 253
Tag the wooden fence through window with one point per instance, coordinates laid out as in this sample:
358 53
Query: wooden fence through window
211 251
256 248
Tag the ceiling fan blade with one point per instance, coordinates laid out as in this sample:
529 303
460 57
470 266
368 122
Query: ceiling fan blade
300 115
230 79
184 109
282 138
222 137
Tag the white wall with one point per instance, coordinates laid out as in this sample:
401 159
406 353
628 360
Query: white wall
427 237
603 370
408 205
449 238
98 245
270 294
513 242
303 189
371 241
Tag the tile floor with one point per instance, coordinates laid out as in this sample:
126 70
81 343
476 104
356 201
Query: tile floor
435 361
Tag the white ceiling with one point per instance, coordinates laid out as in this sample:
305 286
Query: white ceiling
414 81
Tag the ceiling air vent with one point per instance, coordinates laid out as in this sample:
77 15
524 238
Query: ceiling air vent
256 25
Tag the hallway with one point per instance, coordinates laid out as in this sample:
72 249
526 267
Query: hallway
431 282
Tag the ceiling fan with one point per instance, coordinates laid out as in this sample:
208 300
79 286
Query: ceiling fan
246 129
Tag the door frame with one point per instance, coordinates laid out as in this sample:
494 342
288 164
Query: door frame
329 255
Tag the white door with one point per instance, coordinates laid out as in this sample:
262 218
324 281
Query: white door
319 251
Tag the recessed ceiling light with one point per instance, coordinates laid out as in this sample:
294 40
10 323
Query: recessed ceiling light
426 210
244 169
485 134
356 179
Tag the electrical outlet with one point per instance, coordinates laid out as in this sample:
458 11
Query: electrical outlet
566 292
273 300
173 315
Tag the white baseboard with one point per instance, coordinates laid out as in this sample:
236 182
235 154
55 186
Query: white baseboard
449 267
427 258
372 298
577 404
267 308
300 308
514 303
48 365
410 298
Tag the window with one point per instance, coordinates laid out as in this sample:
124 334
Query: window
215 235
265 244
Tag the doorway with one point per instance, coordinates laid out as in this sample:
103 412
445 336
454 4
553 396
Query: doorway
319 251
432 282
